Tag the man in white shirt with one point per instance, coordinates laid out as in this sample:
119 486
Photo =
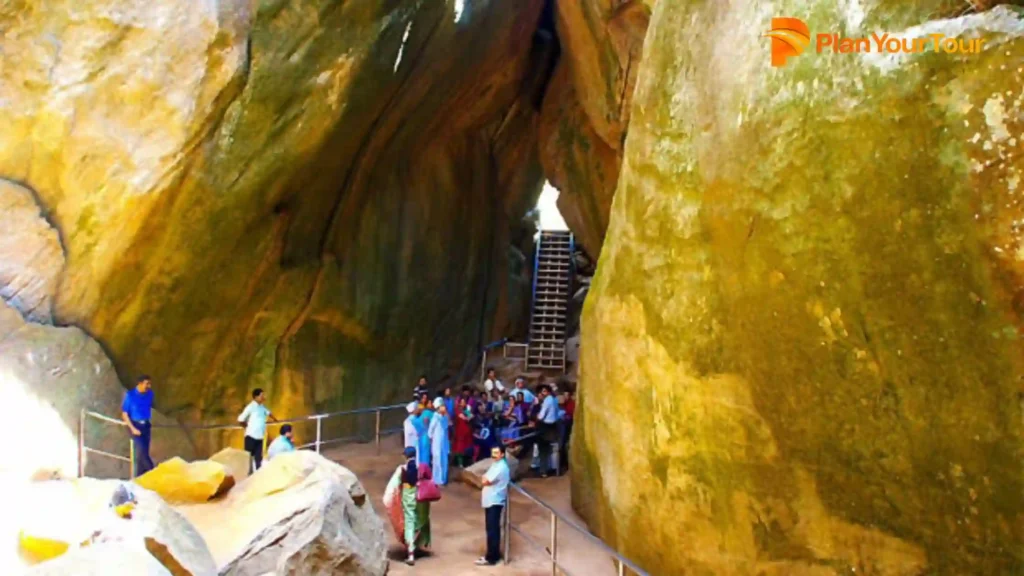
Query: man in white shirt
492 382
547 427
522 393
282 443
493 499
255 418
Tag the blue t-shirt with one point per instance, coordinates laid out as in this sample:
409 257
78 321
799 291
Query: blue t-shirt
138 405
497 493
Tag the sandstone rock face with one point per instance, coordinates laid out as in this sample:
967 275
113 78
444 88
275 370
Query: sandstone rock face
316 198
587 106
31 258
801 354
238 462
48 375
180 482
77 514
300 514
474 474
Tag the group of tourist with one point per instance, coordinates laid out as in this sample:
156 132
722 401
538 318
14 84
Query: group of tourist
465 429
137 415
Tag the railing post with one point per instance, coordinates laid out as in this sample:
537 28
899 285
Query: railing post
483 367
318 432
131 455
81 443
554 544
264 446
376 430
622 568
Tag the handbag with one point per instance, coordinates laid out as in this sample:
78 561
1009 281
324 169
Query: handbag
426 489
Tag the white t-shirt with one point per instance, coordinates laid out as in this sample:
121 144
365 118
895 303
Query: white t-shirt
490 385
255 418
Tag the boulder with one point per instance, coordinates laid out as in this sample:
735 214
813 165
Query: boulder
180 482
31 257
106 559
802 348
57 524
237 462
475 473
300 514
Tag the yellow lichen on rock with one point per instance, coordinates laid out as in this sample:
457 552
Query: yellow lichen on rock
34 549
801 351
180 482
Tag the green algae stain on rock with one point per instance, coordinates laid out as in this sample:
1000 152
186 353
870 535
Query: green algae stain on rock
811 285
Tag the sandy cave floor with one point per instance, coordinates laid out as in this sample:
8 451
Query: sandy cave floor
457 522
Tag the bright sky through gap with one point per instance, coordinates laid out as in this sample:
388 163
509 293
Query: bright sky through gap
550 217
460 5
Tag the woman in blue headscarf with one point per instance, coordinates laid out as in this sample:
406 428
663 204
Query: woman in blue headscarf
439 445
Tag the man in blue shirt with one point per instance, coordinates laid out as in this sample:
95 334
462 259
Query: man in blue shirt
493 499
547 427
137 414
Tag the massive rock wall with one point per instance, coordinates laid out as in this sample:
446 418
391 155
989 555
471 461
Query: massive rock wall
801 354
315 197
587 106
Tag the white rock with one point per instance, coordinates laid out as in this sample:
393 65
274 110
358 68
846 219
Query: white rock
301 515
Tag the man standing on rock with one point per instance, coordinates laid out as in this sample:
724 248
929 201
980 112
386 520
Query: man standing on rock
137 414
493 499
255 418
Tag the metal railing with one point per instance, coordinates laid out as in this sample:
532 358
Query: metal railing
621 562
506 347
84 449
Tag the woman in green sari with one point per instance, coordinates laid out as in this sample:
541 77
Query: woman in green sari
416 514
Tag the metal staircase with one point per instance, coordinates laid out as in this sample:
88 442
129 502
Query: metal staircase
552 279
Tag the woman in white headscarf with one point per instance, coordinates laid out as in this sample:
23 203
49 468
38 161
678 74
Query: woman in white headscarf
411 436
439 442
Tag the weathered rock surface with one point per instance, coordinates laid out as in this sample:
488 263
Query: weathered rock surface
475 473
48 375
77 514
586 110
237 462
31 258
300 514
809 303
181 482
317 198
108 559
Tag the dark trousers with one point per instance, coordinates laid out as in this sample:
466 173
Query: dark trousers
566 438
254 447
493 518
143 463
547 435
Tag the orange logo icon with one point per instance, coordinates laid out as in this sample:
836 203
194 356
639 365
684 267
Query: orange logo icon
790 36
